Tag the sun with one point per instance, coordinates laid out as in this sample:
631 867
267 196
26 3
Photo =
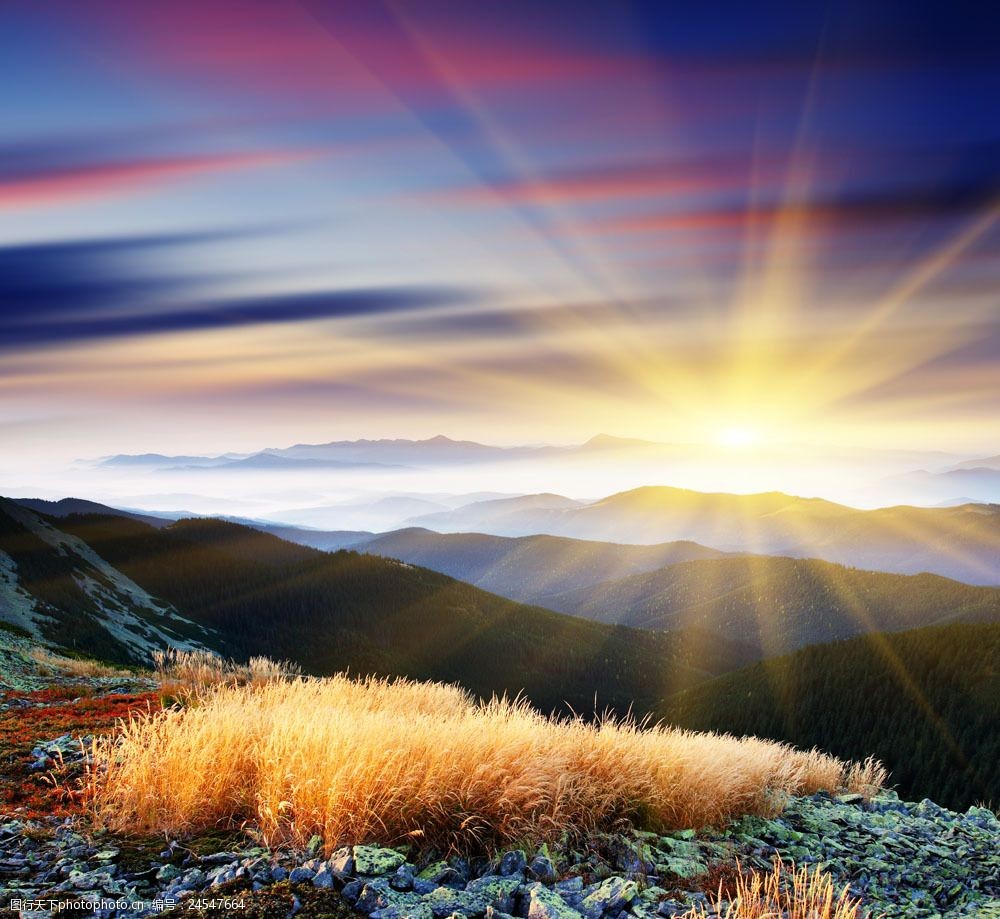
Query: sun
738 437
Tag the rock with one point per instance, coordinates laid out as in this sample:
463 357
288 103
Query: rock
403 878
168 873
542 869
612 896
352 890
323 878
378 899
436 874
446 900
300 875
499 892
513 862
492 913
545 903
341 863
219 858
374 861
314 844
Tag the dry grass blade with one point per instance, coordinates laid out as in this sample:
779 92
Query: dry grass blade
783 893
50 664
184 673
387 761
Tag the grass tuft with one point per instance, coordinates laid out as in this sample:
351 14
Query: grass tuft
50 664
399 761
186 673
783 892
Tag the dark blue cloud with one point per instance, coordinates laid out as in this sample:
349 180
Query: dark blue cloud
82 290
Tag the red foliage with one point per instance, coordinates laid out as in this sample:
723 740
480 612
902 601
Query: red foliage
33 794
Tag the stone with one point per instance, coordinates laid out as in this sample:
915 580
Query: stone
374 861
545 903
378 899
513 862
611 896
447 900
352 890
499 892
403 878
314 844
341 863
542 869
323 878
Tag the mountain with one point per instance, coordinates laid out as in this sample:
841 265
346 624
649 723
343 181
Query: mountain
66 506
779 604
959 542
159 460
500 515
55 587
433 451
926 703
527 567
255 594
987 462
318 539
975 483
270 462
326 540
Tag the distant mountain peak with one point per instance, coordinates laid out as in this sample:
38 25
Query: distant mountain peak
610 441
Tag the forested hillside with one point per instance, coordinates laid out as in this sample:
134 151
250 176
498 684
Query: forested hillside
781 604
925 702
330 612
528 567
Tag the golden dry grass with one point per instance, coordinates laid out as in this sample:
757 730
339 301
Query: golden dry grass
50 664
183 673
387 761
784 893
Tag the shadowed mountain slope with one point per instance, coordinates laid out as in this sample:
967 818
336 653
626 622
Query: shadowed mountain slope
330 612
779 603
925 702
527 567
960 542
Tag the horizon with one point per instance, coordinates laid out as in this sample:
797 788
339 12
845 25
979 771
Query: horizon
270 223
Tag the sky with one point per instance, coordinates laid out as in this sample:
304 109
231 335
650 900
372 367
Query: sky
233 225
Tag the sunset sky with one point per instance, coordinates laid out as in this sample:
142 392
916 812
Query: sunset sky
229 225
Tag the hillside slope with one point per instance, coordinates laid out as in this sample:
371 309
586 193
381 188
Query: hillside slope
330 612
926 702
780 604
56 588
527 567
960 542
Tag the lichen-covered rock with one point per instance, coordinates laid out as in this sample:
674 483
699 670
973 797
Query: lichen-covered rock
545 903
542 869
341 863
373 861
611 896
378 899
513 862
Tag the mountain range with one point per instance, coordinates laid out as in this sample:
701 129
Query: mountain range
116 588
779 604
527 567
961 542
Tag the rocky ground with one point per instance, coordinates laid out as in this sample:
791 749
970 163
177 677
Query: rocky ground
903 859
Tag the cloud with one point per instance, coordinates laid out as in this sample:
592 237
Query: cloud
921 201
60 186
84 290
